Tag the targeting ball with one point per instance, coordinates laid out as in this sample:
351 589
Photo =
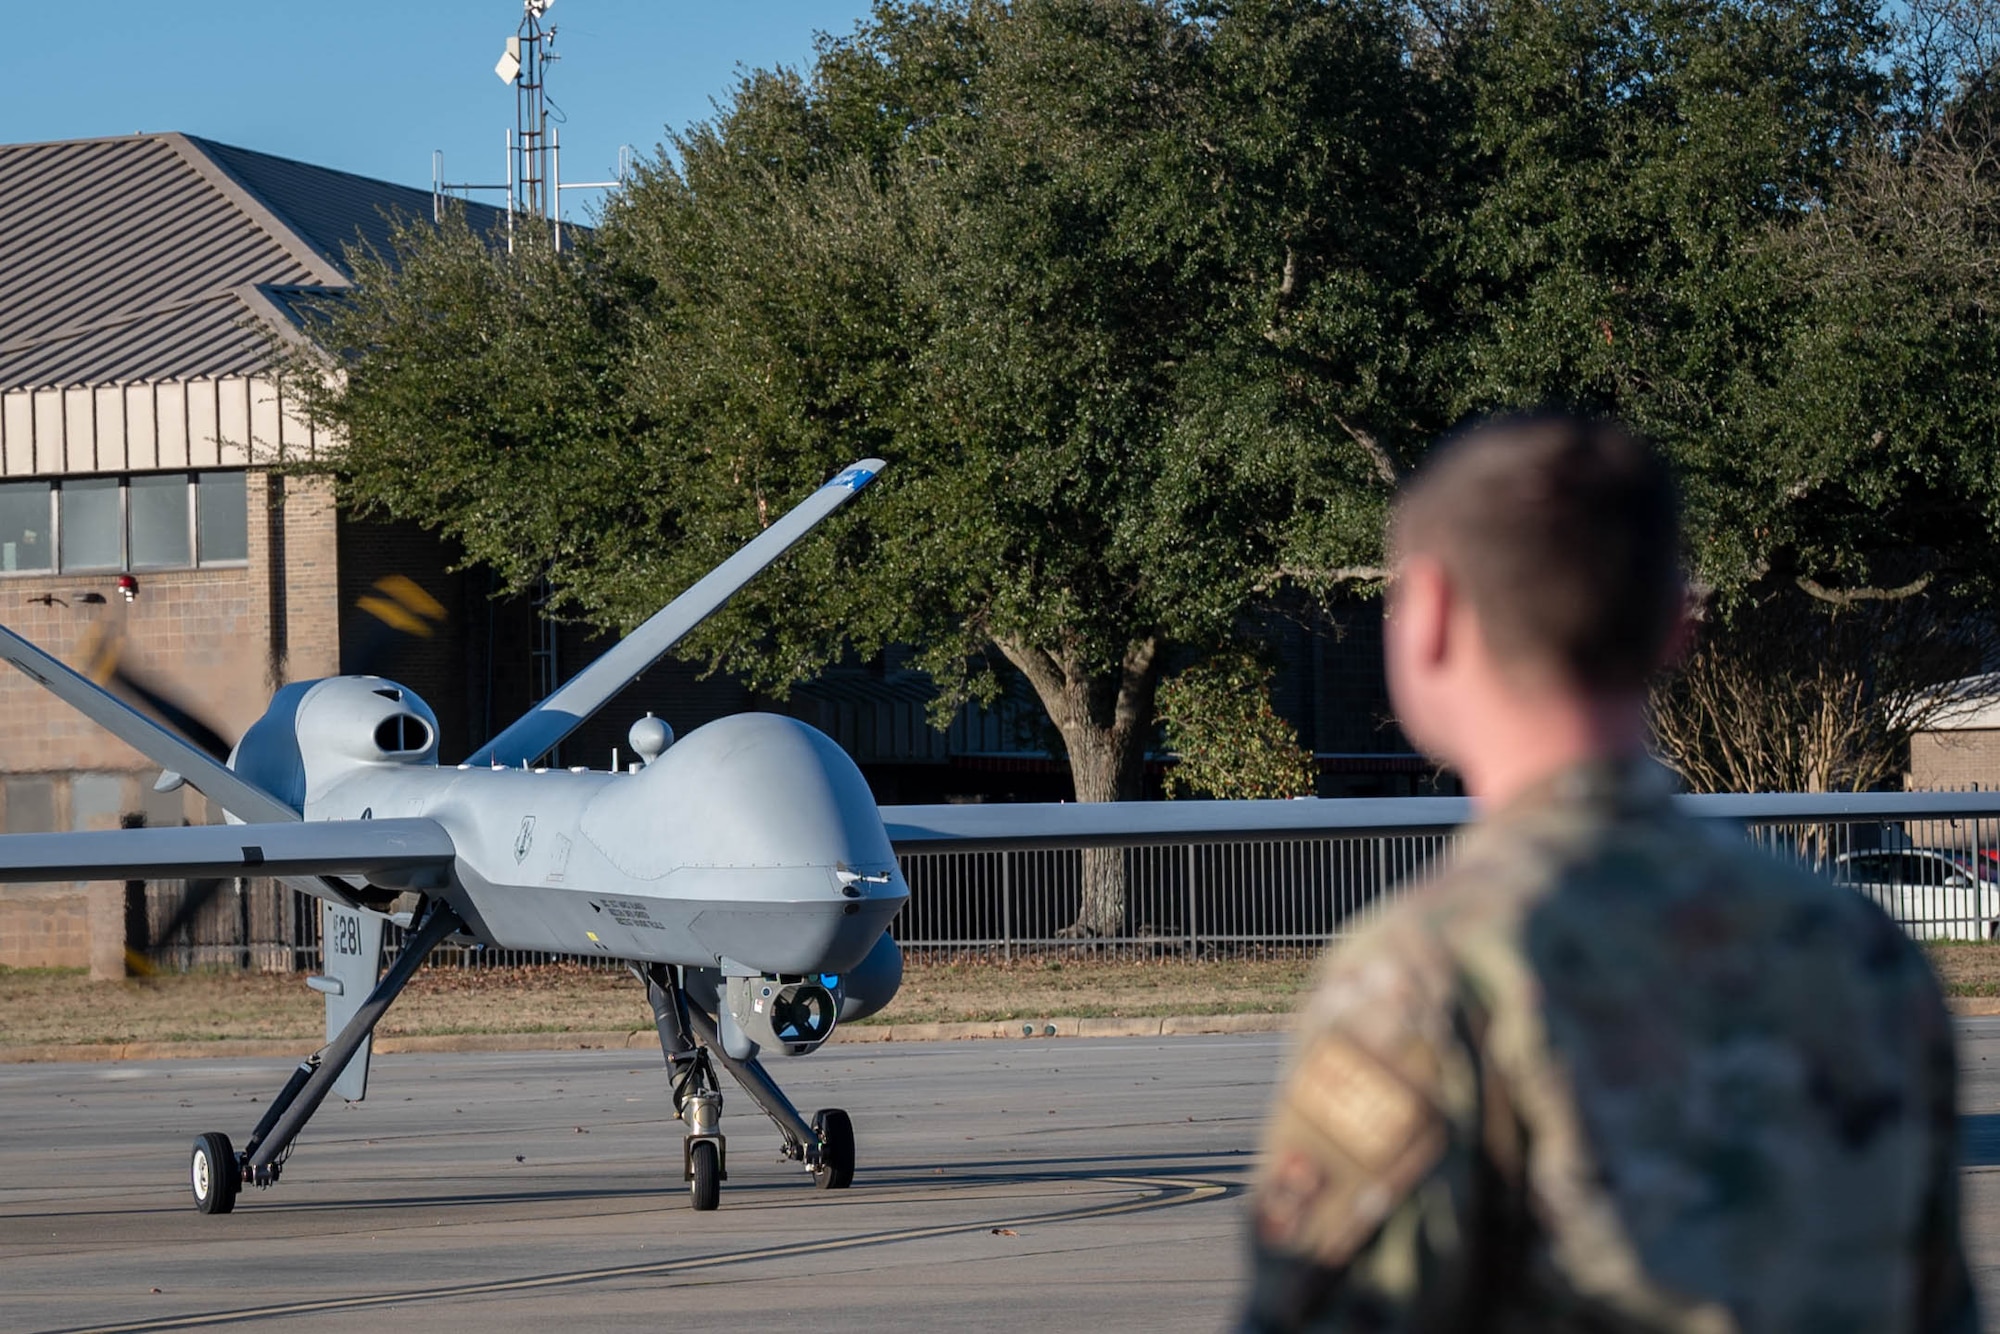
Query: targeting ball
795 1016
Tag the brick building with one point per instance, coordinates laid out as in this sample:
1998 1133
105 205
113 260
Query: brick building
1960 752
142 282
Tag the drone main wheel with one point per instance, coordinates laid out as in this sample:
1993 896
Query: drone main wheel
705 1186
836 1149
213 1174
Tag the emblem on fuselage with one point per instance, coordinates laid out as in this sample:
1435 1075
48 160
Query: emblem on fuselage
525 839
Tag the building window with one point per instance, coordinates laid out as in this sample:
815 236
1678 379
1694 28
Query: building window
156 521
222 517
152 521
26 520
88 524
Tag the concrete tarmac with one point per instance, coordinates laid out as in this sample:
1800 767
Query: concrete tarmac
1000 1185
1057 1184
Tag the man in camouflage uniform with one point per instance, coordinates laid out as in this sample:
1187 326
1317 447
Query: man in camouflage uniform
1613 1070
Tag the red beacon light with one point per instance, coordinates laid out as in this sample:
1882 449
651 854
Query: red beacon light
128 586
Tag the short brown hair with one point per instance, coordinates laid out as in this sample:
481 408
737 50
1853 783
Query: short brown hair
1564 532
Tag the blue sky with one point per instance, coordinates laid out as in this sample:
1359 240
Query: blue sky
372 86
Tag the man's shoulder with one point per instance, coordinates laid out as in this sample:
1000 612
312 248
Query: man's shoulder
1649 890
1561 861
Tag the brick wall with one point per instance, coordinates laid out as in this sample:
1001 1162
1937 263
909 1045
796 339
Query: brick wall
219 640
44 926
312 576
186 629
1955 761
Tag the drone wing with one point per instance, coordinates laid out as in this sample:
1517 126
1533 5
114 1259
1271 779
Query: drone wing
1027 826
1817 807
235 794
322 848
537 731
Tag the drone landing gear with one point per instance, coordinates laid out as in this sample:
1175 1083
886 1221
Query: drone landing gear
825 1145
216 1172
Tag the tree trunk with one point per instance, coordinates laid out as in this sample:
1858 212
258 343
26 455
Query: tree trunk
1105 719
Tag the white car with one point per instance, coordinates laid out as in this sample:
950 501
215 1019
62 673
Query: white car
1932 894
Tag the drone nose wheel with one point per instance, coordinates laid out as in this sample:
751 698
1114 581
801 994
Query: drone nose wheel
213 1174
835 1169
704 1176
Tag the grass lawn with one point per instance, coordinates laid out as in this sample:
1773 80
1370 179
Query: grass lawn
64 1005
1967 968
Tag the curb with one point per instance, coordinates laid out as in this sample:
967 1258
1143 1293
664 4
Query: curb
257 1048
1162 1026
1177 1025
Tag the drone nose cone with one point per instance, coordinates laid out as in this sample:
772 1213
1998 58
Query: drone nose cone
766 823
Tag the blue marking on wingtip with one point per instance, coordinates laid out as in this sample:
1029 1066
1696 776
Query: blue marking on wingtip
853 479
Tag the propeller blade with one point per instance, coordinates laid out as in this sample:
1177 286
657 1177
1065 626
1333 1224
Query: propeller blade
104 653
139 730
387 620
195 896
104 647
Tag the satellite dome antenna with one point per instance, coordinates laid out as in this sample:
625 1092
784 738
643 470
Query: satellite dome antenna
649 738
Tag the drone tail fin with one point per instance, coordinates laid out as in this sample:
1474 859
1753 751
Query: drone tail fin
350 965
542 727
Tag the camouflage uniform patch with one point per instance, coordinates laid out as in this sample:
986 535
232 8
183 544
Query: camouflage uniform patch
1350 1137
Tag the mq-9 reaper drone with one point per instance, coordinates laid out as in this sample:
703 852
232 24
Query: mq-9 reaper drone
745 874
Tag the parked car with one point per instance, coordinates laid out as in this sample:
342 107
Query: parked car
1932 893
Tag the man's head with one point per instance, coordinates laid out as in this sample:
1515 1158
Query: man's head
1536 561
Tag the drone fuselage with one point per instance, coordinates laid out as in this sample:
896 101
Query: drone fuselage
753 845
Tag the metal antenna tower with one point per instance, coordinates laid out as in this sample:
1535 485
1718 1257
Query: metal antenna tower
534 185
524 64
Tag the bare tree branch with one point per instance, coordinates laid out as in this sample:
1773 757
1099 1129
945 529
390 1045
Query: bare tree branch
1848 597
1385 466
1139 679
1796 693
1311 577
1045 675
1291 279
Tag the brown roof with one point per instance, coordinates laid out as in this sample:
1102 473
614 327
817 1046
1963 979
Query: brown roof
166 257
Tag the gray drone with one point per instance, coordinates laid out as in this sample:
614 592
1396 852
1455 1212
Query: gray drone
745 873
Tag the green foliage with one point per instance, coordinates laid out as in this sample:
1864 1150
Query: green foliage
1097 279
1229 742
1635 159
1876 421
1148 303
471 387
1763 233
1725 222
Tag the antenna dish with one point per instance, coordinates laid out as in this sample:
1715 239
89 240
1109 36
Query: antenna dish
509 66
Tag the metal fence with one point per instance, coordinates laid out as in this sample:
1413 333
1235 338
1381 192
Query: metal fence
1940 879
1201 898
254 925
